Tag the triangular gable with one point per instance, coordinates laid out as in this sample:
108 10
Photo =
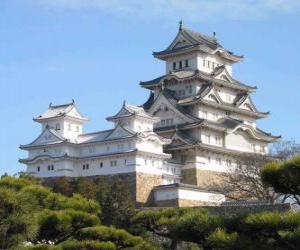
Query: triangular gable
163 108
180 41
213 95
179 139
47 137
248 104
223 74
118 133
75 113
123 112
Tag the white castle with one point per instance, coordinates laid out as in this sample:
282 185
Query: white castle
197 124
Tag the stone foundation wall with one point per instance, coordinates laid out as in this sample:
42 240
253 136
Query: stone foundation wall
144 188
205 179
140 185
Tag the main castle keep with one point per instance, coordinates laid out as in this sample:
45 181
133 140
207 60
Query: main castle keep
196 126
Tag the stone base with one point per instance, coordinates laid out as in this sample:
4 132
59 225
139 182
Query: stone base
140 185
210 180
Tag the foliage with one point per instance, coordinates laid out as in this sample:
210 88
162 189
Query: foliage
114 199
272 230
34 214
17 223
284 177
117 206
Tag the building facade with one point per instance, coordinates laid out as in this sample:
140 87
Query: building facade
193 130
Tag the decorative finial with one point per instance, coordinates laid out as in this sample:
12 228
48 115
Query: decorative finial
215 34
73 102
50 104
124 103
180 24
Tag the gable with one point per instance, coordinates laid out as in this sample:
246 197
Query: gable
118 133
74 113
248 105
163 109
224 75
179 42
47 137
213 96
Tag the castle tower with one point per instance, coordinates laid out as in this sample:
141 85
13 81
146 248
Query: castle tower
208 114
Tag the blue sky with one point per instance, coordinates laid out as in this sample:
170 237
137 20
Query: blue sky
97 51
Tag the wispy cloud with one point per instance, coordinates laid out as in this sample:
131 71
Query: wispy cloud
188 9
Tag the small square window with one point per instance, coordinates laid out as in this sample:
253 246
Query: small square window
174 65
101 164
52 167
180 64
49 167
38 168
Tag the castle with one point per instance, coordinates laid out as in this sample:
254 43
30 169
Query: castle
196 126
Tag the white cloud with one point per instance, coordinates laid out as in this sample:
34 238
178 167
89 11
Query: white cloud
188 9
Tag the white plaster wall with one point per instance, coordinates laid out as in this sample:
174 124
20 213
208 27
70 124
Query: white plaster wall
227 95
200 196
238 141
150 146
211 58
186 194
192 63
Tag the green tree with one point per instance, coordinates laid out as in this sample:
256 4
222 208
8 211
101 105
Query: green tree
284 178
117 206
33 213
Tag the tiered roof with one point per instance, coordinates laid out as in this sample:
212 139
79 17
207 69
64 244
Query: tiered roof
57 111
180 103
187 41
187 75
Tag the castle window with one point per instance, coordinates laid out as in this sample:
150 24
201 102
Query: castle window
113 163
180 64
174 65
186 63
219 161
38 168
50 167
85 166
69 126
101 164
57 126
125 161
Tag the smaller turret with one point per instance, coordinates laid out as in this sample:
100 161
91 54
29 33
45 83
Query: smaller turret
134 118
65 119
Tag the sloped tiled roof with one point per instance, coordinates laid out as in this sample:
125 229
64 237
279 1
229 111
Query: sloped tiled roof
195 40
56 111
128 110
184 75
